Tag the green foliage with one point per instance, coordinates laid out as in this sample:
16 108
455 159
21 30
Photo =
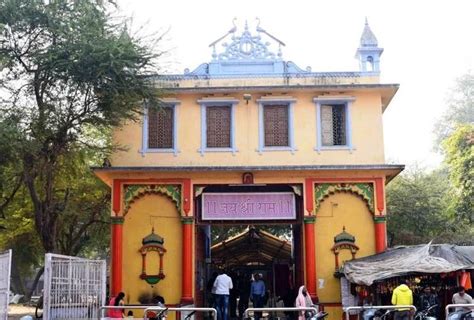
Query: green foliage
439 205
460 108
459 156
416 203
70 72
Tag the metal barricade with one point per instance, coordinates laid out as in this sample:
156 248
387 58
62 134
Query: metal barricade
5 271
450 306
182 309
294 309
100 314
74 288
155 308
349 309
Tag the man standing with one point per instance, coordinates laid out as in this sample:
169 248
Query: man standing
257 294
222 286
427 300
461 297
244 293
402 296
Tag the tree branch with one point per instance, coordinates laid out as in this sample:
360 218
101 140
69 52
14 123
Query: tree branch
11 196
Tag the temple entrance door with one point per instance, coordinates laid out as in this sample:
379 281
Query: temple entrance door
277 257
249 229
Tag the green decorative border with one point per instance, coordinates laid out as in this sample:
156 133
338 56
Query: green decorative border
136 191
380 219
187 220
364 190
116 220
309 219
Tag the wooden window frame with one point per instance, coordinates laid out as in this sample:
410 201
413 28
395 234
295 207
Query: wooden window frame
289 102
346 102
212 125
205 103
145 149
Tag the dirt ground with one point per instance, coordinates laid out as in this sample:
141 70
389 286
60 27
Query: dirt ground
16 311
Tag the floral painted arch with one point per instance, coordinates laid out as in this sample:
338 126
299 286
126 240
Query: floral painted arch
136 191
362 190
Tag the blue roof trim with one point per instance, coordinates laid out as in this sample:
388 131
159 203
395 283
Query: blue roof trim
192 76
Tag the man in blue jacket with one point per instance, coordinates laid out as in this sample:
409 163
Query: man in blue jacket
257 294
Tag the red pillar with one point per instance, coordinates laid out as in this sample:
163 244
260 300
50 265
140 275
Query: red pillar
310 256
116 274
309 195
187 285
380 219
380 234
380 195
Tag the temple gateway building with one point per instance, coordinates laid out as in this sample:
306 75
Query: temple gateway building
250 139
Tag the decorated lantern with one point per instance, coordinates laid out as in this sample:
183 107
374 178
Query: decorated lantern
343 241
152 243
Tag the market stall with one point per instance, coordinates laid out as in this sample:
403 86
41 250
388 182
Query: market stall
441 267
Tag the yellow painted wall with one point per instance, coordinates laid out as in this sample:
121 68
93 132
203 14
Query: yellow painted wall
160 211
335 313
367 136
336 211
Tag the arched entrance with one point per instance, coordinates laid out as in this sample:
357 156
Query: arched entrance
268 243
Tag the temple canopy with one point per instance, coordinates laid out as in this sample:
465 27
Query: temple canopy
252 247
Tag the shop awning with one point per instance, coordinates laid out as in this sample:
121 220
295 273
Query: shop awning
250 248
405 260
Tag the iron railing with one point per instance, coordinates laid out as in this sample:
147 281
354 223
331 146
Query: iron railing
450 306
362 308
156 308
5 271
73 287
181 309
292 309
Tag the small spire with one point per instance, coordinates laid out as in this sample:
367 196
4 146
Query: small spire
368 38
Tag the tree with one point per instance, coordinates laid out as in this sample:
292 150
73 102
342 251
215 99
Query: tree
69 71
416 203
460 108
459 156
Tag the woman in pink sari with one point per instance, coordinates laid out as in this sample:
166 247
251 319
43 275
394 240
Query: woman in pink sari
116 313
303 300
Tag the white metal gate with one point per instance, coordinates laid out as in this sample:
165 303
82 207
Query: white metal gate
73 287
5 270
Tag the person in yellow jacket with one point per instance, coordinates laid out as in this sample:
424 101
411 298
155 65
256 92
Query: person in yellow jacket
402 296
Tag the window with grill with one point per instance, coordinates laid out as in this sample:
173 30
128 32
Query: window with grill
160 128
333 125
275 119
218 126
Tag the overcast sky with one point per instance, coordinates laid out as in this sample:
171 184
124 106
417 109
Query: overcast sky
428 44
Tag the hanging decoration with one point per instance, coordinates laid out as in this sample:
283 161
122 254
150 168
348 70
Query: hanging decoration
152 243
343 241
